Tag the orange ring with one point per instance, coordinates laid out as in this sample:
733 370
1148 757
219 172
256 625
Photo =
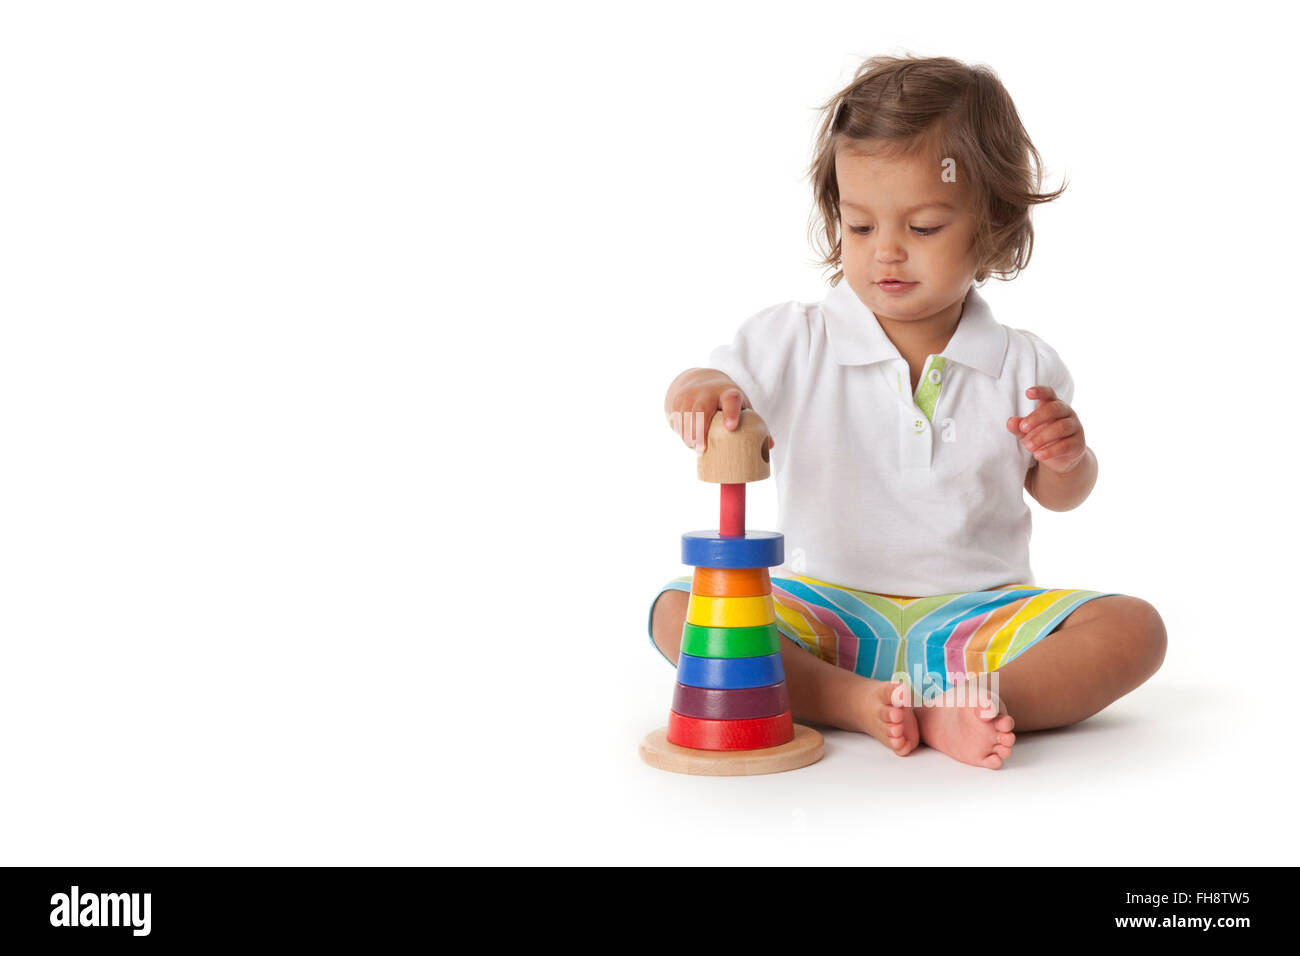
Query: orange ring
731 582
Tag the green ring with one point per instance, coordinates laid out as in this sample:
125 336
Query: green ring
730 642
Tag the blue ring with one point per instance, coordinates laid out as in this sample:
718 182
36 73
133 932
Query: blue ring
729 673
709 549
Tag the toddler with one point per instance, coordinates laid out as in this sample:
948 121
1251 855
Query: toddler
907 425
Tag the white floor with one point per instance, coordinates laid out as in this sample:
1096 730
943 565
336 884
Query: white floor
525 751
1164 777
1175 774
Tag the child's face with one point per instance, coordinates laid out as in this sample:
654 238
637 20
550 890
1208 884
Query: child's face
893 225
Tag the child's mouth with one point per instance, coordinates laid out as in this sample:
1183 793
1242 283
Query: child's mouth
895 286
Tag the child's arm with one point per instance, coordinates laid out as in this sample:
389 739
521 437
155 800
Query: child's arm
1067 468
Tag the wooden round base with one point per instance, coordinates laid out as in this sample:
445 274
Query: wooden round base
806 748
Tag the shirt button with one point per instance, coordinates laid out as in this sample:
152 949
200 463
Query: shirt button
919 425
935 376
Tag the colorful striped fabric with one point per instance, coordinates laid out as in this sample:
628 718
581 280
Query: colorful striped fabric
930 638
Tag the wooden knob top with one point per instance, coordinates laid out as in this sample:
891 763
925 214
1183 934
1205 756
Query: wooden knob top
732 457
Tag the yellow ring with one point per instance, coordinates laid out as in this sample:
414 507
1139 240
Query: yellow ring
705 611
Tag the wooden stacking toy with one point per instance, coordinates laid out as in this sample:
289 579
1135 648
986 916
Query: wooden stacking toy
731 709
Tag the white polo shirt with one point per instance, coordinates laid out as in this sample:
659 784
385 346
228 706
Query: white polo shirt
875 492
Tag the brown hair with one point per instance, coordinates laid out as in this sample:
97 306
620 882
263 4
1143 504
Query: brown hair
908 106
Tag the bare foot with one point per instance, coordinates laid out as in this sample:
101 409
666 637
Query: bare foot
886 713
966 726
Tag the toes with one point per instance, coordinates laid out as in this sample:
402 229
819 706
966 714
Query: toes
1005 723
894 730
901 746
992 761
1003 752
1007 739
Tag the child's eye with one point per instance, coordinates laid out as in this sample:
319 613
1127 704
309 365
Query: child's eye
919 230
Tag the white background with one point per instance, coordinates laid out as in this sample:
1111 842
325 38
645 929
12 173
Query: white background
334 479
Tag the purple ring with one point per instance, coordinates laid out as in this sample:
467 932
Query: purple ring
742 703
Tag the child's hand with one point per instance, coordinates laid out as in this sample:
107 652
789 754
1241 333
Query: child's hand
1052 432
693 399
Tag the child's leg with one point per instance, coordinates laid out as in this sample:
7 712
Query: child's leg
820 693
1104 649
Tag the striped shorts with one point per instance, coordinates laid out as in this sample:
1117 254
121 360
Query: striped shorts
930 639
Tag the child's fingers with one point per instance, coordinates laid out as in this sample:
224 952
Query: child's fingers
1044 396
1044 414
698 438
731 412
1063 450
691 426
675 422
732 400
1053 431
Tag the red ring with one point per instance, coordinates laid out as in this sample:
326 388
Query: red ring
755 733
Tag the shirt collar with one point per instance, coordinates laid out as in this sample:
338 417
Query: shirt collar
857 339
